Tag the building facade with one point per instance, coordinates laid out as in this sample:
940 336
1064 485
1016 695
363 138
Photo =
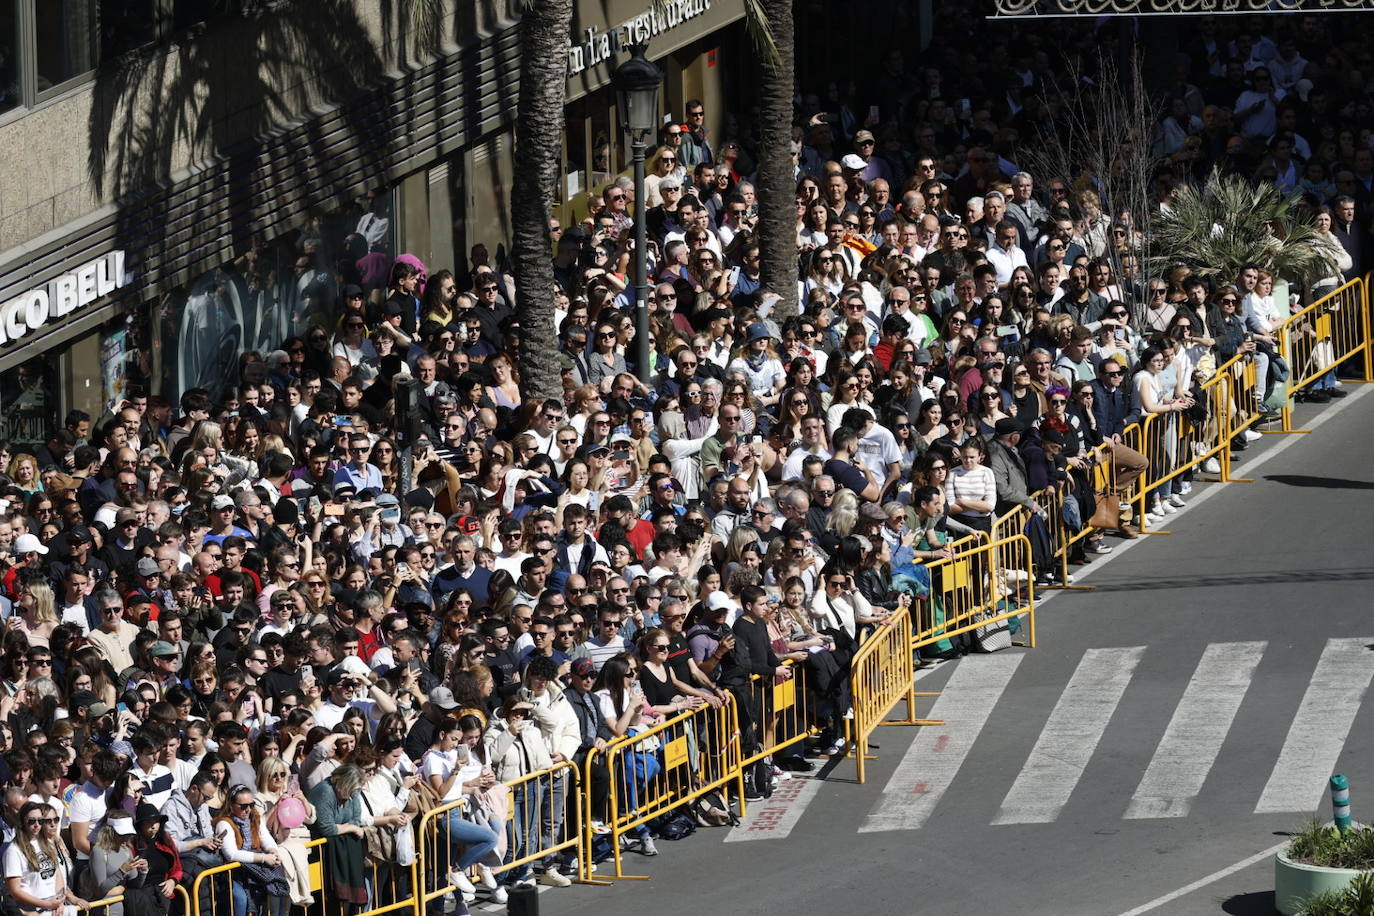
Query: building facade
188 182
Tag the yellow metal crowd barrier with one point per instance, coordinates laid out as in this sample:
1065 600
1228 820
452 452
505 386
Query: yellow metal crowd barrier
545 819
784 710
1331 331
881 675
982 585
663 768
102 907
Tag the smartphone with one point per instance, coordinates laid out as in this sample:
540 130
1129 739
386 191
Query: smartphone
341 422
333 509
620 456
872 114
293 785
1006 330
403 567
121 707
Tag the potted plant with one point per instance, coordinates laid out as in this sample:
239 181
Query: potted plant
1319 864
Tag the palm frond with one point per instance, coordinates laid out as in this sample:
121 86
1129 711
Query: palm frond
757 26
1226 223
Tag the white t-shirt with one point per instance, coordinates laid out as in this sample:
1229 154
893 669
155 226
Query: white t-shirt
792 467
76 613
877 450
441 764
87 807
41 882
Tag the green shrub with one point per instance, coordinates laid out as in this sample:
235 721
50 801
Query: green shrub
1356 900
1319 844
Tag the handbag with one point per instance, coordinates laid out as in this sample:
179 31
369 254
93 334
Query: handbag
994 636
1107 515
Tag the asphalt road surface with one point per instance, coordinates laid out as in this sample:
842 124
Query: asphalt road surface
1172 726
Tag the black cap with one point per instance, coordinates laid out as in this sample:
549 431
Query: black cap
352 291
420 498
1008 425
392 307
146 811
1052 436
80 534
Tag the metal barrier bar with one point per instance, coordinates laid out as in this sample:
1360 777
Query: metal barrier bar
1320 337
981 586
430 872
546 806
882 674
663 768
786 710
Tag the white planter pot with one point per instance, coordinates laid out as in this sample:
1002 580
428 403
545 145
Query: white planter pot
1295 882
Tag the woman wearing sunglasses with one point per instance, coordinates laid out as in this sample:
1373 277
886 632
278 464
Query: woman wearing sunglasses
35 875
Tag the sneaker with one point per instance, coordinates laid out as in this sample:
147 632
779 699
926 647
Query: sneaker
836 748
1100 547
1211 466
1167 508
1177 501
1123 506
460 881
1185 488
1252 436
1319 396
1337 392
486 878
795 764
499 895
599 827
551 878
647 847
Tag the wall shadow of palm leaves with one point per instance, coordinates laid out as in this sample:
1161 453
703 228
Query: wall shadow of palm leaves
234 94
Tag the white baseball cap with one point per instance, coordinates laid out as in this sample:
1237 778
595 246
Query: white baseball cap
27 543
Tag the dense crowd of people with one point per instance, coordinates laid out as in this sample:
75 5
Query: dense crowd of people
235 621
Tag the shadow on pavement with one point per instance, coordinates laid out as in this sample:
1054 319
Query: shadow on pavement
1325 483
1259 903
1277 577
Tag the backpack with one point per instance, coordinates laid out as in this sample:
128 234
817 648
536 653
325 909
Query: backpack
675 825
712 810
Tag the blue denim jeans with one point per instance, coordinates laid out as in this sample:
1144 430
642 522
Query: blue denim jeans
477 841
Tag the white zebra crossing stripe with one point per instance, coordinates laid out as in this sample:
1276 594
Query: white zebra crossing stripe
1195 734
1068 740
1320 727
934 758
774 818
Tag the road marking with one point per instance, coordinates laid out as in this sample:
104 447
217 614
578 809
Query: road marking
930 763
1320 727
1203 882
1068 740
1194 736
774 818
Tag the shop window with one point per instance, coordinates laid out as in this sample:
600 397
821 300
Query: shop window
28 404
604 147
10 97
273 292
65 41
126 25
575 165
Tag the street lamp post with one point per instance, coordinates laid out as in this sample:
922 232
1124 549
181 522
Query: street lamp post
637 82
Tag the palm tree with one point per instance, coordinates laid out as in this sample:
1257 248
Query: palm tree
772 30
1226 223
544 29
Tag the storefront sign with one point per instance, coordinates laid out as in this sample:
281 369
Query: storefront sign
68 293
598 46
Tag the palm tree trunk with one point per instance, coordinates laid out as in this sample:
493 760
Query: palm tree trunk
544 34
776 184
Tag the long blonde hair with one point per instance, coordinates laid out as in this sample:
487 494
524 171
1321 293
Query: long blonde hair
44 607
